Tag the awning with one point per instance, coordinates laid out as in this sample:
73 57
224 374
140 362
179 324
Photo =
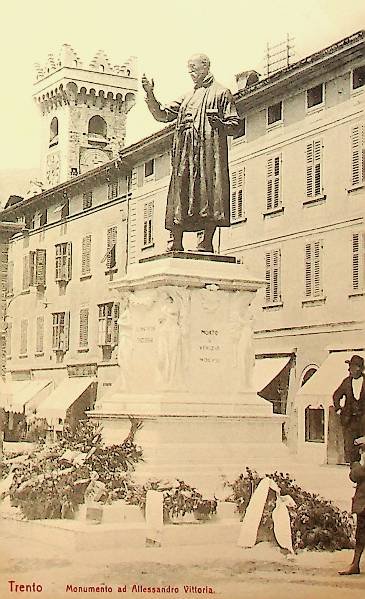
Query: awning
19 396
56 405
266 369
318 390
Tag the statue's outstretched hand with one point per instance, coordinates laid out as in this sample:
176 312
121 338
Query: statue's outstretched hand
147 85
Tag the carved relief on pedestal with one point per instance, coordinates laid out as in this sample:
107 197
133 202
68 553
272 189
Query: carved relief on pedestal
241 319
125 346
173 304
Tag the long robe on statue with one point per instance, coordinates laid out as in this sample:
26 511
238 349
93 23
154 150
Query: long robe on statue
199 192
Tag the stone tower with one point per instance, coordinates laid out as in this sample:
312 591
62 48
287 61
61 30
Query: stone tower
84 111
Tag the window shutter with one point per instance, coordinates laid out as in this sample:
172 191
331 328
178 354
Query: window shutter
308 269
86 255
268 277
9 331
358 261
310 170
276 199
162 166
240 184
66 343
234 197
102 326
10 277
111 242
140 175
358 154
23 336
276 276
39 334
317 251
84 327
269 194
26 271
40 268
68 273
317 154
115 324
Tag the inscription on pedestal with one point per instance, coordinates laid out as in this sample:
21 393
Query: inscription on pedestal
210 349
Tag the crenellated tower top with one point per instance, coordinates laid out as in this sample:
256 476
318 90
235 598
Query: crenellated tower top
84 109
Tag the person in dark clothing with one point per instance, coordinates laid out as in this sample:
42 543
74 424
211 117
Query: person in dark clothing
357 475
352 412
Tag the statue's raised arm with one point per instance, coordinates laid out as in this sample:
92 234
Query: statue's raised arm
165 114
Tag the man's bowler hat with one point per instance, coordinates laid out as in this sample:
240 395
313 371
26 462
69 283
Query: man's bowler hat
356 360
360 442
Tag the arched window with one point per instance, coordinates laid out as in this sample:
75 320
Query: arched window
97 126
308 373
53 132
101 68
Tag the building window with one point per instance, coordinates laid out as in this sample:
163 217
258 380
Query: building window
314 169
63 262
87 200
10 277
110 256
148 224
43 217
237 195
314 425
53 132
86 256
23 337
273 195
149 168
34 274
358 154
273 277
358 77
84 328
313 269
9 332
60 331
358 261
108 324
241 130
275 113
97 127
65 210
39 339
308 374
315 96
113 190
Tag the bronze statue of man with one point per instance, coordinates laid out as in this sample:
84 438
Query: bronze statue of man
198 197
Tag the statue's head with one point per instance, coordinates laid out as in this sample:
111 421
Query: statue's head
198 67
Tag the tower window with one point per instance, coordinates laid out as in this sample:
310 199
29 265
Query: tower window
97 126
53 132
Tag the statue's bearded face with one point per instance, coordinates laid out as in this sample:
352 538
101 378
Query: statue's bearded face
198 67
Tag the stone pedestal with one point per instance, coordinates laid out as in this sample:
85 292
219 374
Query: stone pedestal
186 367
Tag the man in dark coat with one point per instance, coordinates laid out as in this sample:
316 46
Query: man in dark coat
352 412
357 475
198 197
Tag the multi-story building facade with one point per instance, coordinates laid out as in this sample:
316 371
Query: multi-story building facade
297 213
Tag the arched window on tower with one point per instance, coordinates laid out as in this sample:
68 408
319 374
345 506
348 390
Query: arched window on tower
97 129
53 132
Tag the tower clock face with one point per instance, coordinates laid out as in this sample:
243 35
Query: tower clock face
53 169
91 158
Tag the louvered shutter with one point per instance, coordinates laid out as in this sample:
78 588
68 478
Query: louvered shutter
309 170
268 277
115 333
269 194
275 276
317 278
234 197
25 271
358 261
358 154
40 268
140 175
86 255
276 199
66 331
308 270
162 166
240 184
68 273
84 327
111 241
39 334
23 336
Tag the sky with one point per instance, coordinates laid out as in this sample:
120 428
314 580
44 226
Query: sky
162 35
